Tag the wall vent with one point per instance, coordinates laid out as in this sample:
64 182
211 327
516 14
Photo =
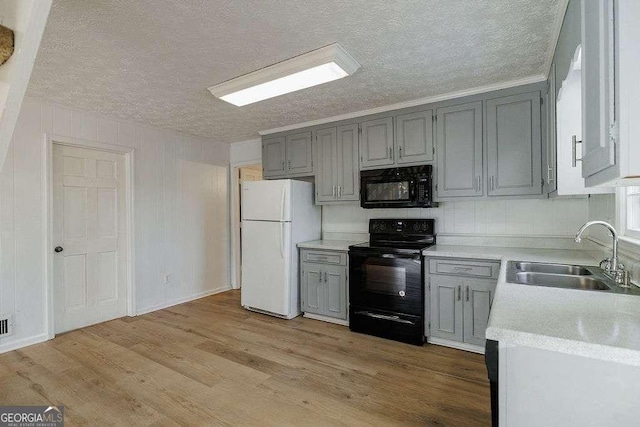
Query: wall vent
6 326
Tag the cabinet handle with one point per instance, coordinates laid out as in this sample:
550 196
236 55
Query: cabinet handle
478 184
283 165
320 277
574 158
467 293
550 178
325 277
390 153
333 192
400 152
463 268
339 191
459 292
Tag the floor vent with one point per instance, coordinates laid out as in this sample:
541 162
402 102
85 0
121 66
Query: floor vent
6 326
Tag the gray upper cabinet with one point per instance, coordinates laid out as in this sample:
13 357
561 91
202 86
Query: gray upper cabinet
459 140
550 169
446 307
299 154
376 143
478 295
414 137
273 157
326 165
337 172
598 86
347 160
514 145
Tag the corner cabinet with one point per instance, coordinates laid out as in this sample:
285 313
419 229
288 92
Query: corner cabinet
323 285
287 156
459 136
403 140
461 293
514 145
337 171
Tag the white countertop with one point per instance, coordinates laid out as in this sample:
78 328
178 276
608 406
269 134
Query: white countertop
592 324
329 245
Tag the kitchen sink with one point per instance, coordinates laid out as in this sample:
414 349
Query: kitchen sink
561 281
538 267
564 276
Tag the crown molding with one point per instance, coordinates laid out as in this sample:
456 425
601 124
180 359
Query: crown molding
413 103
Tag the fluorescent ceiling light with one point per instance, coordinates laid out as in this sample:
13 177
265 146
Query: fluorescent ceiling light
310 69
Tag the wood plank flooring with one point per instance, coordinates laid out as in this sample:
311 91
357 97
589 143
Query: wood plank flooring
210 362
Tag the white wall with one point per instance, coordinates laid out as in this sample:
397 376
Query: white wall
246 152
181 213
529 217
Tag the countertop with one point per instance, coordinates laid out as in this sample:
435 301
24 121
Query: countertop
592 324
329 245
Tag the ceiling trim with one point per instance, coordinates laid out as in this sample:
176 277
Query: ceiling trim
413 103
557 27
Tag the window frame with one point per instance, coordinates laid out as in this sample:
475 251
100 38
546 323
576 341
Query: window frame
622 198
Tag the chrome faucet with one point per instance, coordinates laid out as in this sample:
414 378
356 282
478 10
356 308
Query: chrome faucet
612 266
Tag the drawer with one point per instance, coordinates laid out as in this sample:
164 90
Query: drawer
324 257
459 267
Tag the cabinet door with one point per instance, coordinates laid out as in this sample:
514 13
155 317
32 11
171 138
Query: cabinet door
311 288
326 165
598 89
550 170
347 161
514 146
446 307
459 139
478 296
414 137
376 143
335 301
273 157
299 154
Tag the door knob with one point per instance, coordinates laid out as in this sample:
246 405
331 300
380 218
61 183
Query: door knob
58 249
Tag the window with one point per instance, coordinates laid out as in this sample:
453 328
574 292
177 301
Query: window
630 208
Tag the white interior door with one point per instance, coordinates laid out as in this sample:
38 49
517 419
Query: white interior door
89 236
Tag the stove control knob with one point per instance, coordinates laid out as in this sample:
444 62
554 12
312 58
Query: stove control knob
401 293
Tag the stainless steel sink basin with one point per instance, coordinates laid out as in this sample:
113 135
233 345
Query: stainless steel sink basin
561 281
537 267
564 276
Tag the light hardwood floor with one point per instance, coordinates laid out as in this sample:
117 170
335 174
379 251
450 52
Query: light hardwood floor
210 362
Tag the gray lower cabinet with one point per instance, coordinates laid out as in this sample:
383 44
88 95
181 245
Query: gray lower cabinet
287 156
459 136
376 143
461 294
323 283
273 157
414 137
514 145
337 172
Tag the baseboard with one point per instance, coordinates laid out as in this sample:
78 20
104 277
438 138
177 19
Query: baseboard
23 342
182 300
455 344
326 319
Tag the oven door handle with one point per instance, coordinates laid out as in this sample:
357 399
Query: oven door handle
385 317
414 257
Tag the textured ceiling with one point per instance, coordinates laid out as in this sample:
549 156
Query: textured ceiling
152 60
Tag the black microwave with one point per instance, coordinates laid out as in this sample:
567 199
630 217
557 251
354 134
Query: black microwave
408 187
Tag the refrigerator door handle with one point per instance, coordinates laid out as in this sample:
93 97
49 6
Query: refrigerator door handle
282 240
284 192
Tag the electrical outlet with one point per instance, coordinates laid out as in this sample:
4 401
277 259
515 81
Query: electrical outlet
167 278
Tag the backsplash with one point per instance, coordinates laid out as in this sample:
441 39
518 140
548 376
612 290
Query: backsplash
535 217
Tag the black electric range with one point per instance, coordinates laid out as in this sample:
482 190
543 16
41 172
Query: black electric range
386 279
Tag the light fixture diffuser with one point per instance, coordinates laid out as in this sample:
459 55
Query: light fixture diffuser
310 69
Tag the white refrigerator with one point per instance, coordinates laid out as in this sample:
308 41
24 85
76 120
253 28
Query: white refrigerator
276 216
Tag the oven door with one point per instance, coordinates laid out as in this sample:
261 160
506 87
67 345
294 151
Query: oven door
386 281
386 192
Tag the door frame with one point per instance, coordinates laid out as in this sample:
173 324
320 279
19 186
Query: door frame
128 153
235 219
